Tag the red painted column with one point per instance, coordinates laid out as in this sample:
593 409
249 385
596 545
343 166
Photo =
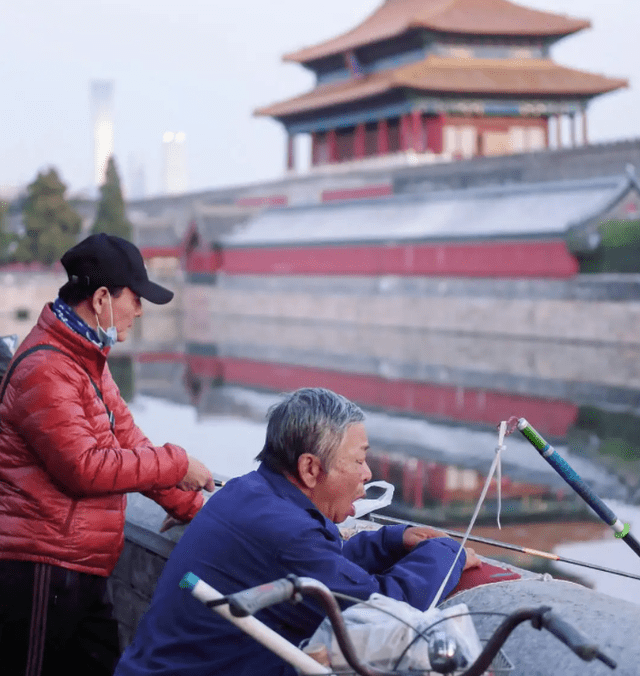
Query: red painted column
418 486
332 146
383 137
384 467
417 131
405 132
435 133
358 141
291 160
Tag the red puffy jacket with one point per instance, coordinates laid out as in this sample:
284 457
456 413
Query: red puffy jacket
63 471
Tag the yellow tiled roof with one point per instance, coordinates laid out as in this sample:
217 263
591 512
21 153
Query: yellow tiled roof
470 17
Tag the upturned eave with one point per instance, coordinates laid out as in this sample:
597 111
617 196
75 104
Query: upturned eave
533 78
499 18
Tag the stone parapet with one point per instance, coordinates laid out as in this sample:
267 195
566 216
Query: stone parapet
569 312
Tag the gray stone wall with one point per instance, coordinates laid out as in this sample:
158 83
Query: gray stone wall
134 579
546 337
23 296
604 159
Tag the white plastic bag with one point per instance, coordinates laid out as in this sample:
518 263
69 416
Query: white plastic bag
367 505
388 641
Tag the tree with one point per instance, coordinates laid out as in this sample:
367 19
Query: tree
51 224
5 237
111 217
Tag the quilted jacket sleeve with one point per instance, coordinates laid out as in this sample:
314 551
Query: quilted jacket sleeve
65 424
182 505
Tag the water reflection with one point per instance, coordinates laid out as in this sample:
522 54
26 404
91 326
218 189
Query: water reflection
434 441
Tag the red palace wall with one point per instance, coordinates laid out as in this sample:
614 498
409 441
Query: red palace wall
525 258
363 192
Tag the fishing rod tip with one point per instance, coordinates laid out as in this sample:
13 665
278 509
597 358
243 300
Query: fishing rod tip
511 425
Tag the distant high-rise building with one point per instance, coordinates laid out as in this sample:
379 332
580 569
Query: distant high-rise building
102 117
136 188
174 170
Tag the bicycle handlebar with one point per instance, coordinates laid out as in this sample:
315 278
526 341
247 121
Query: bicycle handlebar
573 639
249 601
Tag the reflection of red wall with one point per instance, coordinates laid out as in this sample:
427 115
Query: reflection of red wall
263 201
527 258
164 357
445 401
203 262
421 480
161 252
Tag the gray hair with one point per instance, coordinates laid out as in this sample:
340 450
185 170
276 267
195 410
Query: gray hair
309 420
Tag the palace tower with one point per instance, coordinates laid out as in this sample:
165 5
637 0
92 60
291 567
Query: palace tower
438 80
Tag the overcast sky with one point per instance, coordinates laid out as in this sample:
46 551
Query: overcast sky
203 66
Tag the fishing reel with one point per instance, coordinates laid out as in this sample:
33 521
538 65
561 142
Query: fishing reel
445 655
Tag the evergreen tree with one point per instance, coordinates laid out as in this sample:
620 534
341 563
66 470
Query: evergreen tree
51 224
111 217
5 237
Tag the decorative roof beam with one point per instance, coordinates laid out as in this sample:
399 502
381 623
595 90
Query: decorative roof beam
435 106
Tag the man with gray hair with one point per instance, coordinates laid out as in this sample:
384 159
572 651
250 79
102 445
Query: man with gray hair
277 520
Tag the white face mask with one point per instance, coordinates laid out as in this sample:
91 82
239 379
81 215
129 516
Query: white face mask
109 337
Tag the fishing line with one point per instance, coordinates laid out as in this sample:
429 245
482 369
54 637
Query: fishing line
496 461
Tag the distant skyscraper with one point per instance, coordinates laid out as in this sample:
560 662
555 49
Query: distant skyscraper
136 188
174 170
102 116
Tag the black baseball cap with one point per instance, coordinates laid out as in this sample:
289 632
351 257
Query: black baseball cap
107 260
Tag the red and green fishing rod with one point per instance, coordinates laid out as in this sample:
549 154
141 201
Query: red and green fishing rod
562 467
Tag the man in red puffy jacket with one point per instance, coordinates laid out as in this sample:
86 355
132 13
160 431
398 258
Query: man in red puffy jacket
69 453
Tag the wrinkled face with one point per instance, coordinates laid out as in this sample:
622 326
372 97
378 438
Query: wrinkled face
126 307
338 488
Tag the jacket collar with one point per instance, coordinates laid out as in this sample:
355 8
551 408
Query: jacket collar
285 489
82 350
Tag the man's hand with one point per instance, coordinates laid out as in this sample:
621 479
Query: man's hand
472 559
197 477
416 534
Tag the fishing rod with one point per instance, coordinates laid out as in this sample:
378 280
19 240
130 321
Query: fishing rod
563 468
506 545
494 543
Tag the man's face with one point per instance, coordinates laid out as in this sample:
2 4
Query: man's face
338 488
126 307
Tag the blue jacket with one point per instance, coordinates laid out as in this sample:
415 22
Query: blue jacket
256 529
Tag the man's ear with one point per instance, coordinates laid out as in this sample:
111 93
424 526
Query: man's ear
309 469
99 298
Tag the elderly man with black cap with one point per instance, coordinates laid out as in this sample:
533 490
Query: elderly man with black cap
69 452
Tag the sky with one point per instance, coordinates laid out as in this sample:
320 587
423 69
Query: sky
203 66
